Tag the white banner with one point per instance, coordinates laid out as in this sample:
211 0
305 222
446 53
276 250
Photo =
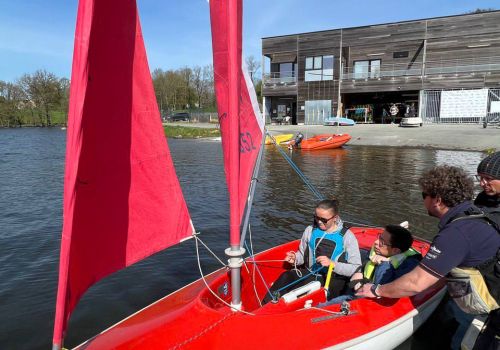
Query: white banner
464 103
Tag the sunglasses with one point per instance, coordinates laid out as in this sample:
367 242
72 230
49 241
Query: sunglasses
323 220
424 195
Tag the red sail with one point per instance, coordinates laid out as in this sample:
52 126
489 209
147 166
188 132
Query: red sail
240 120
122 198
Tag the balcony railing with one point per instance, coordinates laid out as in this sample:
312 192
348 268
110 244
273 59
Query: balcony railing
463 65
280 78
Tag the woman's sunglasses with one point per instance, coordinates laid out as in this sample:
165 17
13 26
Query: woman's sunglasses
323 220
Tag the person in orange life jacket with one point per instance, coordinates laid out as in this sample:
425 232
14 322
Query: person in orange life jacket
447 192
324 242
391 256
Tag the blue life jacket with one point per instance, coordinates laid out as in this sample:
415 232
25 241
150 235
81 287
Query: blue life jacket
328 244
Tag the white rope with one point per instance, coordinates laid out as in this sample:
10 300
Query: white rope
255 267
199 239
208 287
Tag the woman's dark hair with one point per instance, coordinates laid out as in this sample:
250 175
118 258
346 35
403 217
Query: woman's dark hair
329 204
400 237
450 183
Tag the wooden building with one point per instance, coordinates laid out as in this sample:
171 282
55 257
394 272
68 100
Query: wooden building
442 67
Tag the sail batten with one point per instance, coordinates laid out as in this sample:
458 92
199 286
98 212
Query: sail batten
122 198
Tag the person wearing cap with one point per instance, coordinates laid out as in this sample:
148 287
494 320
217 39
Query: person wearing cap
447 193
488 175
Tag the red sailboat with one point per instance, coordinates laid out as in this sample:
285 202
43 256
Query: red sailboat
123 202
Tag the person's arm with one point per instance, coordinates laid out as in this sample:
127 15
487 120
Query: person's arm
410 284
353 257
304 242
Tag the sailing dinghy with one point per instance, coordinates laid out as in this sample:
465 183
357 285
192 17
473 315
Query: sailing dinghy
123 202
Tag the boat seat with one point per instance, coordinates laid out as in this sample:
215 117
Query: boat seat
301 291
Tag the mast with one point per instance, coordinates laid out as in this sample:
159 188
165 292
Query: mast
235 252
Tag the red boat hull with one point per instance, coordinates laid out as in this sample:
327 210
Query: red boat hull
326 141
193 318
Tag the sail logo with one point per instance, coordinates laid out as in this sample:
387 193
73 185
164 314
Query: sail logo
246 142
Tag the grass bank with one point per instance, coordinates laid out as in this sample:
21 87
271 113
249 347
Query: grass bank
187 132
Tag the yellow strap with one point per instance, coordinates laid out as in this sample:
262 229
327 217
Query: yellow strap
329 275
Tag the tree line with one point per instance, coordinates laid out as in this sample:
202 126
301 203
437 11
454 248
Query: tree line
42 99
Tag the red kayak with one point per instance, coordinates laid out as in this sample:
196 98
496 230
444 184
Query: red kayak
326 141
194 318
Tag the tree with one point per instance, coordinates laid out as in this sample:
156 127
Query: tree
253 66
160 83
44 91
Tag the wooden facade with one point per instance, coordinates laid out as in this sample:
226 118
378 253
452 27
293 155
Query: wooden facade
455 52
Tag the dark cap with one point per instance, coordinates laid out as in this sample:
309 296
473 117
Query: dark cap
490 165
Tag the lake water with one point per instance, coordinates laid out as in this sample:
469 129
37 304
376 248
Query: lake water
375 185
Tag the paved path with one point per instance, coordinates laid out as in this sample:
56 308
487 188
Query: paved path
442 136
458 137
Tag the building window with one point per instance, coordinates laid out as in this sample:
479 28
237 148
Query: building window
367 69
286 70
319 68
317 111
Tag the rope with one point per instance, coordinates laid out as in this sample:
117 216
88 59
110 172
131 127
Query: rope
300 279
254 268
199 239
208 287
304 178
261 276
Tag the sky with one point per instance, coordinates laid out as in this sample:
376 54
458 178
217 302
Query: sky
38 34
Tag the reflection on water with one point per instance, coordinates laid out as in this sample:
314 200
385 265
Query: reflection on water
375 185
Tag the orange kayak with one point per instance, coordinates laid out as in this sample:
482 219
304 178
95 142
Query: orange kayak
325 141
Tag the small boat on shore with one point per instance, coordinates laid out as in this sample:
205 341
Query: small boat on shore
325 141
339 121
279 138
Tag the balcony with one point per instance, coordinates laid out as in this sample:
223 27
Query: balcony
275 79
457 66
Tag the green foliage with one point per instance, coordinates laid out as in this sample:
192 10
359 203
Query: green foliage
189 132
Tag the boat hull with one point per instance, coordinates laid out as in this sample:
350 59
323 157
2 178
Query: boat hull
279 138
326 141
193 318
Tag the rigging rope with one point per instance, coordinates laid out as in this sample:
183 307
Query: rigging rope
306 181
208 287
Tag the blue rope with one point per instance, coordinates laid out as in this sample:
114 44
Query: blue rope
300 279
304 178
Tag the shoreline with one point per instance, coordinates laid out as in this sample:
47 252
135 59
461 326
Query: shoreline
461 137
458 137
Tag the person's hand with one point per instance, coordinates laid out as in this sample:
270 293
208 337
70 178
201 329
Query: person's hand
378 259
323 260
290 257
365 291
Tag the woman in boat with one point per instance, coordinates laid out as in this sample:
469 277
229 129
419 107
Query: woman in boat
327 241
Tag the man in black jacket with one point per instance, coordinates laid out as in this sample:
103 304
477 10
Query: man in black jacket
488 175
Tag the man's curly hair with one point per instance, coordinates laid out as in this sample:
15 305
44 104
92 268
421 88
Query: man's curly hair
450 183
